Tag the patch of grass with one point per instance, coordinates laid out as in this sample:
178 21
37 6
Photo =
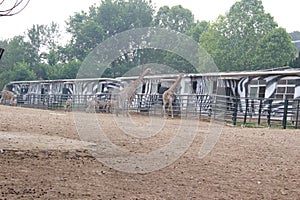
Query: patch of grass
274 124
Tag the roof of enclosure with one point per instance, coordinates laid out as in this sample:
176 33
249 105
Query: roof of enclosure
277 71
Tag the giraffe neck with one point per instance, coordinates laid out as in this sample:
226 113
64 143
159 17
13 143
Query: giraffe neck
139 79
173 87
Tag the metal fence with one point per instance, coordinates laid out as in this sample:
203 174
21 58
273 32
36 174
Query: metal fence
251 112
263 112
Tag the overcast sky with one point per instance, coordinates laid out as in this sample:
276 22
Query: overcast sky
285 13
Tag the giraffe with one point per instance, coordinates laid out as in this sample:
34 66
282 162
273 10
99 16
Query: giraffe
5 94
127 94
68 105
91 104
169 95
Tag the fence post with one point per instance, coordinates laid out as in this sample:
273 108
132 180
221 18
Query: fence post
269 113
200 109
214 109
246 111
187 105
259 111
297 113
285 109
234 114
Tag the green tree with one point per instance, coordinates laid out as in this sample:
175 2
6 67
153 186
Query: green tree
39 48
121 15
16 50
275 49
17 57
243 32
44 48
69 70
43 39
218 46
176 18
86 34
5 77
53 72
22 72
111 17
198 29
52 57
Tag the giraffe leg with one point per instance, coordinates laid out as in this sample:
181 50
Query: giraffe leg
127 107
124 108
164 110
165 98
88 109
127 110
171 108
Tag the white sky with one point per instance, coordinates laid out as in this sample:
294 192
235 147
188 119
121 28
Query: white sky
285 12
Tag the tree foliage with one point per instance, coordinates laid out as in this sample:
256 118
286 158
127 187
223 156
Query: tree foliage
86 34
273 54
198 29
121 15
176 18
111 17
247 38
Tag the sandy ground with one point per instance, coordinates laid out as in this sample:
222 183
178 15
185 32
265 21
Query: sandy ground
41 157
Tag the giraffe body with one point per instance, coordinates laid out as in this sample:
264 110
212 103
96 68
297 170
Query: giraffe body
5 94
127 94
169 96
68 105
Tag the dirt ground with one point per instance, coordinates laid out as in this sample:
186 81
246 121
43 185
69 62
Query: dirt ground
41 157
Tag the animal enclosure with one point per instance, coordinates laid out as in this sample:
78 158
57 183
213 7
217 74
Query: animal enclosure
262 98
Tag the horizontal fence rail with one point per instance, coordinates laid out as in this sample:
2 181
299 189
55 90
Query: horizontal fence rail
250 112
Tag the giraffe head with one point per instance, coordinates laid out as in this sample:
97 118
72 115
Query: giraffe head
148 70
181 75
145 72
